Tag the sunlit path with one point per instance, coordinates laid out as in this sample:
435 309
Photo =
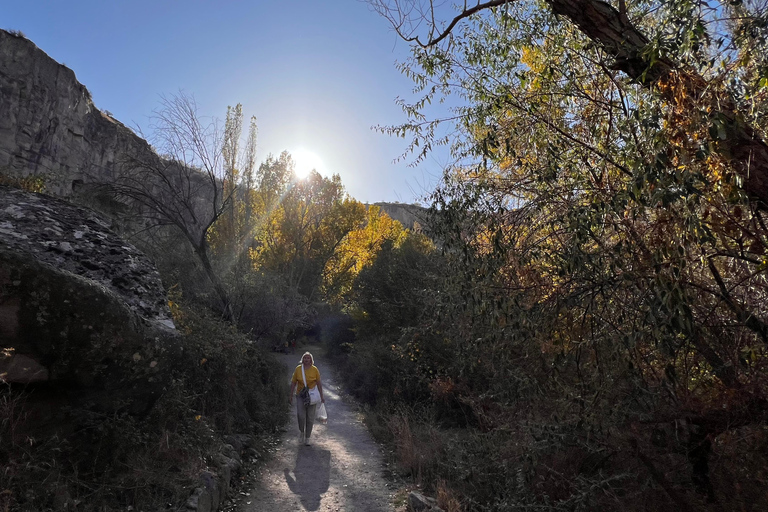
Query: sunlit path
340 471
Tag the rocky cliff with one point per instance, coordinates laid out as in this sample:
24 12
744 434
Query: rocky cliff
50 128
409 215
87 344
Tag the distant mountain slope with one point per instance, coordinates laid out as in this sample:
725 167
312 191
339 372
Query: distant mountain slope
407 214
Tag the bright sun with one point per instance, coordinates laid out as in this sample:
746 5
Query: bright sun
306 161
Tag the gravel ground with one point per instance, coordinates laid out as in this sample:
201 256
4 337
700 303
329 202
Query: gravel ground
342 470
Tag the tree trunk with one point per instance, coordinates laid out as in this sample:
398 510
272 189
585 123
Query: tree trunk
202 253
742 147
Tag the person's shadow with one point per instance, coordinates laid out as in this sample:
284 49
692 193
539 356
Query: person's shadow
311 477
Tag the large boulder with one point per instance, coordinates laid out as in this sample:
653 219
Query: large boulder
80 308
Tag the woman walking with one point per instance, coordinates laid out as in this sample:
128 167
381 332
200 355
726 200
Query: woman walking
306 375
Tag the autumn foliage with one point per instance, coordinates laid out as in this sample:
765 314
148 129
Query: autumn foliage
594 336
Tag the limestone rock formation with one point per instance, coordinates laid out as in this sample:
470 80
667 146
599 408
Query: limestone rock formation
50 128
79 307
409 215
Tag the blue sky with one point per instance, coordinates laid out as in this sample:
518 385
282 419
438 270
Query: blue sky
316 74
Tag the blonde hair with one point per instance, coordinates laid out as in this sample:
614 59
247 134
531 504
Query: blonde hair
301 361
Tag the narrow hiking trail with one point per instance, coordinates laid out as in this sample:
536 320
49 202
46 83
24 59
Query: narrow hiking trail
342 470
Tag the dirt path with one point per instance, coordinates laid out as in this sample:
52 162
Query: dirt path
340 471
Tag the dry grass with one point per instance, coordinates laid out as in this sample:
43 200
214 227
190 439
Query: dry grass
446 499
418 447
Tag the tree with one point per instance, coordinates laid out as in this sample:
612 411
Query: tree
273 178
187 185
232 233
307 225
673 66
357 250
231 236
606 243
396 285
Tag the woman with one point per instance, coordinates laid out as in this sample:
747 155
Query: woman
305 413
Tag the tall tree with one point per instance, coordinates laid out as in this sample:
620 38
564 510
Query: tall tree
311 220
677 60
606 238
248 178
184 186
272 181
230 152
231 234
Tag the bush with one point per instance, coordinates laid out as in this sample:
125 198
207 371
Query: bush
18 34
34 183
93 461
234 380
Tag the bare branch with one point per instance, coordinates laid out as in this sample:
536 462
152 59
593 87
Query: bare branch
184 186
405 22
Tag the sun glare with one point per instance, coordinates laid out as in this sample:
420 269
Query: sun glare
306 161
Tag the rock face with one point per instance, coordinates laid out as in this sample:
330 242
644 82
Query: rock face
79 307
409 215
50 128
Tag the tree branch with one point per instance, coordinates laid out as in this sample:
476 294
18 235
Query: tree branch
743 146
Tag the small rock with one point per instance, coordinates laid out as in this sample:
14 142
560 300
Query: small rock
418 502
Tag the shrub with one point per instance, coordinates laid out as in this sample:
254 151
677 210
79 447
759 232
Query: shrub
418 445
89 460
18 33
35 183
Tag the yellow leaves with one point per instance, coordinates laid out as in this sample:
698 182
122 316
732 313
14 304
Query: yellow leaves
537 62
483 241
358 250
716 169
534 58
30 183
174 304
676 88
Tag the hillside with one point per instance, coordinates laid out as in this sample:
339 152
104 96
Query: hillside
409 215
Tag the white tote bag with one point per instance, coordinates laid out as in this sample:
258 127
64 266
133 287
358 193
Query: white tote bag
314 393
